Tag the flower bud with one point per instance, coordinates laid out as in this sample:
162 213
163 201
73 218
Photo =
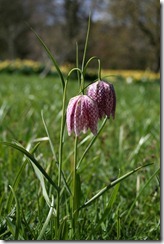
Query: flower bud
82 113
103 94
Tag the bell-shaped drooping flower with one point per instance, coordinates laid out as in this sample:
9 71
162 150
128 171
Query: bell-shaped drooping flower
82 114
103 94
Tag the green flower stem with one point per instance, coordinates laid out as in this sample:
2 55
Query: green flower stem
82 83
60 156
74 186
99 69
88 62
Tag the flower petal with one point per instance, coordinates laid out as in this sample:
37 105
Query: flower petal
104 95
70 114
82 113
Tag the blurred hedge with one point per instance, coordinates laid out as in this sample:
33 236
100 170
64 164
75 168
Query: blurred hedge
29 67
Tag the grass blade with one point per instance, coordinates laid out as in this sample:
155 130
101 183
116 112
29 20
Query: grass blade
17 179
47 220
51 57
16 234
86 43
110 185
31 157
50 141
110 204
42 183
15 185
91 143
140 192
54 153
142 140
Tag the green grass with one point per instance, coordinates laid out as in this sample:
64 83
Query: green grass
130 211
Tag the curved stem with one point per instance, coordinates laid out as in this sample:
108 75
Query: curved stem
72 70
99 69
87 63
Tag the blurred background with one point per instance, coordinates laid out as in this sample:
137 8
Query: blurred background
124 34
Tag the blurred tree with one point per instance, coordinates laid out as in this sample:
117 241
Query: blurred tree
15 34
12 27
75 25
143 18
124 34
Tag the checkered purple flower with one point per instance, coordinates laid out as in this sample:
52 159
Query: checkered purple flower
103 94
82 114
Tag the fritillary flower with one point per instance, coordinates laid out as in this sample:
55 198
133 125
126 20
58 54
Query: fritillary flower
103 94
82 114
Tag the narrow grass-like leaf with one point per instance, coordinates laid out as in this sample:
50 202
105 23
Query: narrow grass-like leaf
140 192
110 185
77 63
3 234
51 57
83 59
31 157
10 226
17 179
15 185
64 230
16 234
50 141
79 144
3 111
54 153
109 205
1 198
142 140
42 183
121 137
86 43
28 228
91 143
41 139
42 232
118 225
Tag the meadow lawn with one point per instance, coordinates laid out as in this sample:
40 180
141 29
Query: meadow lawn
132 211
